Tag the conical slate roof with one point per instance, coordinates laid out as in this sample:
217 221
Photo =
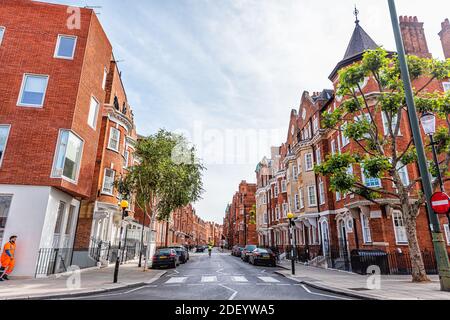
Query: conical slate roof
359 43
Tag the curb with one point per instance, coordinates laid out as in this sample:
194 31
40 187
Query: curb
329 289
88 293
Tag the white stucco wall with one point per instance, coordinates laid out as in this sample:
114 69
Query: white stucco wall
32 217
26 219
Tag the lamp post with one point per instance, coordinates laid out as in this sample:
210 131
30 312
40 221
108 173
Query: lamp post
124 206
438 239
428 121
291 239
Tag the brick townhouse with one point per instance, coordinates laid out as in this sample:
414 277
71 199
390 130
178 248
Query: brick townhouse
330 225
240 230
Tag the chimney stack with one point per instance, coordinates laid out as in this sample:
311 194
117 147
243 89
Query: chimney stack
445 38
414 37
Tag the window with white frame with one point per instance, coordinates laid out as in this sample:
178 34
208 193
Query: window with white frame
312 196
65 47
4 134
318 156
447 233
114 139
105 76
5 204
345 139
301 199
283 186
365 225
275 190
321 192
285 209
370 181
93 113
386 123
126 156
309 163
313 231
2 33
68 156
297 203
333 147
446 85
316 124
403 172
265 218
399 227
108 181
277 212
33 89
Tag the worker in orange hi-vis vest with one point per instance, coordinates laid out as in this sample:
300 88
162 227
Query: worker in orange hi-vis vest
7 259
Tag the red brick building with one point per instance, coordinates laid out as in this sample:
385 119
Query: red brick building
52 96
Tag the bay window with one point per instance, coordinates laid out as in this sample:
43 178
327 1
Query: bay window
68 156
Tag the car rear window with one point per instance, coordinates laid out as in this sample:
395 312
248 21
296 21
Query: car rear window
163 251
250 248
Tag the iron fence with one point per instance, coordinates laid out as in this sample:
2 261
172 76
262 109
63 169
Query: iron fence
52 261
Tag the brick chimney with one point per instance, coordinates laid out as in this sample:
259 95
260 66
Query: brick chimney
445 38
414 37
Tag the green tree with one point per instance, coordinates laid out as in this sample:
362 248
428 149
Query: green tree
168 175
384 155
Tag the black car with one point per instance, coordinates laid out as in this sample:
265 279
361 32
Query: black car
165 257
262 257
247 251
182 253
237 251
200 249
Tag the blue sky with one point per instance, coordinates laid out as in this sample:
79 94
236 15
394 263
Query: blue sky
212 68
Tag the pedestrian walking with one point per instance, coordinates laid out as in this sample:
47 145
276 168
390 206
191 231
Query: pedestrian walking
7 259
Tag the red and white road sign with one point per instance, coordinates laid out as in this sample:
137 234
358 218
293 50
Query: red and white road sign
440 202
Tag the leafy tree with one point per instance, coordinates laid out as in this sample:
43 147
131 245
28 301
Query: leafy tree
380 155
167 177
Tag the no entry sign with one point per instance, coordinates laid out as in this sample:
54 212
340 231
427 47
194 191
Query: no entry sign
440 202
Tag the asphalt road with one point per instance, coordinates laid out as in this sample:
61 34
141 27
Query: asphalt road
220 277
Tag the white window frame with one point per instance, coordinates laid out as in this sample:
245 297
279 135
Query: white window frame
58 41
365 226
104 181
8 126
333 147
445 85
316 124
110 139
447 233
55 159
126 157
312 196
385 124
2 34
338 196
283 186
318 156
321 192
398 228
307 167
301 199
345 140
285 209
105 77
22 88
275 190
364 180
95 115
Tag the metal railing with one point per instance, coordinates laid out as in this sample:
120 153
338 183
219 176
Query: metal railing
52 261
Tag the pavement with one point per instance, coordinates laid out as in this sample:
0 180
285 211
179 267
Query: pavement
364 287
93 281
219 277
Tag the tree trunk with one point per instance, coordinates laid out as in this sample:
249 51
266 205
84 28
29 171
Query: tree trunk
417 266
167 234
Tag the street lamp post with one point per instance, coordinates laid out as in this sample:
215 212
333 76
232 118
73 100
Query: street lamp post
428 121
124 206
438 239
291 239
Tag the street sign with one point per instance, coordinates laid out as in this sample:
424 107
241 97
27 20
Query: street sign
440 202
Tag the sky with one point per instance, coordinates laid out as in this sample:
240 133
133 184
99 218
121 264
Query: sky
227 73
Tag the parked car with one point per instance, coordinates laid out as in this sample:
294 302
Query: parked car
182 253
165 257
237 251
200 249
247 251
262 256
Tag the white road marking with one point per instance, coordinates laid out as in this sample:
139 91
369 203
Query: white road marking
321 294
209 279
239 279
269 279
234 292
176 280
